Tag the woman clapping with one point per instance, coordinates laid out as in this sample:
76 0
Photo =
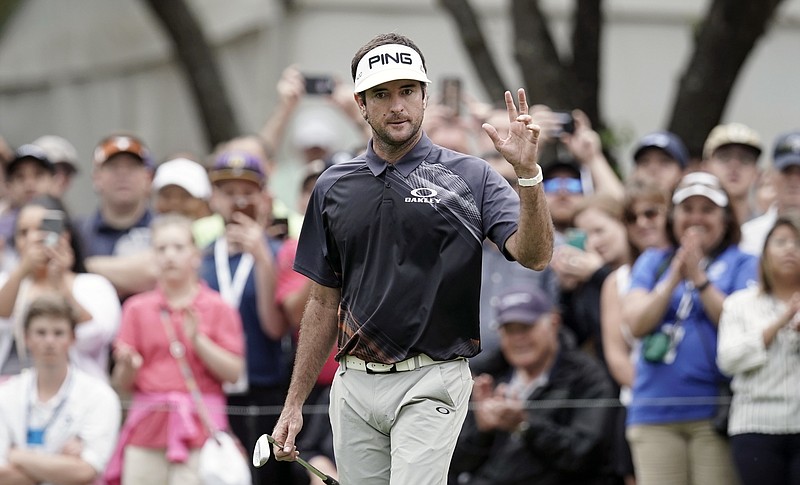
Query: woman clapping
759 345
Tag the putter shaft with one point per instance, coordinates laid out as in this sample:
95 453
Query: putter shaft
329 480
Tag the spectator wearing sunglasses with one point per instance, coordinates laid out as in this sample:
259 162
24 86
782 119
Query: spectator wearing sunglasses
645 217
786 180
564 190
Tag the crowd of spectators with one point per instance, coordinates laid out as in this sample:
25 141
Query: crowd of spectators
608 367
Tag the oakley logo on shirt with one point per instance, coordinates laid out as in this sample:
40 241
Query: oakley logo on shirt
423 195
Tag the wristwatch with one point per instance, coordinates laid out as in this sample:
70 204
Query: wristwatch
531 182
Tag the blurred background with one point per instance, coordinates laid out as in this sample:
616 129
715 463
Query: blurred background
186 74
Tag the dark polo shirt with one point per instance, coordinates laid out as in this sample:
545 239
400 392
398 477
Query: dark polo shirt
100 239
404 244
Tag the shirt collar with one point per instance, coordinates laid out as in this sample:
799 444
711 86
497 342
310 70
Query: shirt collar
405 165
101 226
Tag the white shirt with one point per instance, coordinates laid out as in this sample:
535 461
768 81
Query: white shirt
93 338
766 380
754 231
90 412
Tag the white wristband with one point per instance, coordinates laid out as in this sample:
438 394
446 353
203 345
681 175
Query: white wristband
531 182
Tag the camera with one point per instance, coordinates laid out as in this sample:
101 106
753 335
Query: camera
52 226
566 121
319 85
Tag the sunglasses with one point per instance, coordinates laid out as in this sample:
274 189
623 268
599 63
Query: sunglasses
649 214
567 184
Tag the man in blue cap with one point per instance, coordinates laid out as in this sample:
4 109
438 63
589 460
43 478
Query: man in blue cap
512 436
28 175
786 179
660 157
241 266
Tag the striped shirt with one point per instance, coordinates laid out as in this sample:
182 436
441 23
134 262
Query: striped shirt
766 380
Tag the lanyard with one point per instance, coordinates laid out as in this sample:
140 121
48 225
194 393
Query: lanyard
67 387
231 289
685 304
178 351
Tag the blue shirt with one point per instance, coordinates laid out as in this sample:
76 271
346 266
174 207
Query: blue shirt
100 239
266 362
403 241
694 372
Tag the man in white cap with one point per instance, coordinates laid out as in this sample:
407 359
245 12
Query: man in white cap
392 242
65 162
181 185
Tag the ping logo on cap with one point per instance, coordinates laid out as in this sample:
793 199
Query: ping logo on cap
389 62
398 58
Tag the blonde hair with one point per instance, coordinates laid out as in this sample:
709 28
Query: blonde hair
173 219
604 203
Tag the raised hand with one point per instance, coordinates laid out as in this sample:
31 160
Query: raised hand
520 145
127 357
248 234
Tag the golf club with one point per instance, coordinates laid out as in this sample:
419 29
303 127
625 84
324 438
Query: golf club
263 451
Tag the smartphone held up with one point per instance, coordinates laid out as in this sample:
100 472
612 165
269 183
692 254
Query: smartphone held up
52 226
451 94
319 84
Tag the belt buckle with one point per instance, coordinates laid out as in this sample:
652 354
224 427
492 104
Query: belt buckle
368 367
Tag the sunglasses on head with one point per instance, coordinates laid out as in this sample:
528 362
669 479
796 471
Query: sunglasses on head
567 184
649 214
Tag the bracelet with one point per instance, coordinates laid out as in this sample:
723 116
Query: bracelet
531 182
702 286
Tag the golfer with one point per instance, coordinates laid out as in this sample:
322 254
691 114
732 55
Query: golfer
392 242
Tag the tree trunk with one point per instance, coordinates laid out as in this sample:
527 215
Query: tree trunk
726 38
475 44
546 79
586 58
199 67
7 10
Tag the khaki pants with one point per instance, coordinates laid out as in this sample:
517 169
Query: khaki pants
148 466
687 453
399 428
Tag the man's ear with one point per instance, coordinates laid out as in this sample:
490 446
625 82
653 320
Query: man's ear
361 102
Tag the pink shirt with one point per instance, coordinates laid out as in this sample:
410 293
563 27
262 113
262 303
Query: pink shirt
160 373
290 281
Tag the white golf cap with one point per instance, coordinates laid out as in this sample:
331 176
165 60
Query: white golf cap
58 150
389 62
703 184
189 175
